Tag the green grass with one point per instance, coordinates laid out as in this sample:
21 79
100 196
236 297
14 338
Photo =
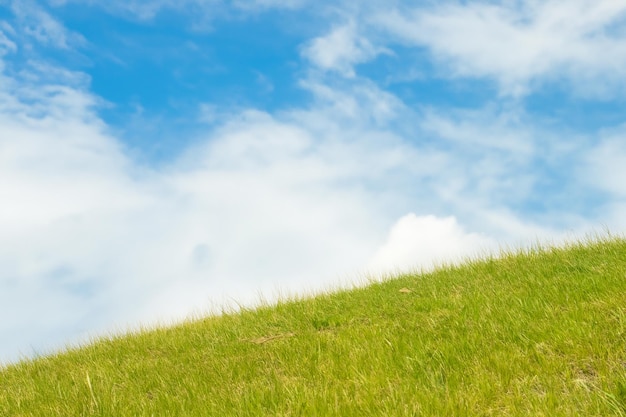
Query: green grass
540 333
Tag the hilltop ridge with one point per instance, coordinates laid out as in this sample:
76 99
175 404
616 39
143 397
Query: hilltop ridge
540 332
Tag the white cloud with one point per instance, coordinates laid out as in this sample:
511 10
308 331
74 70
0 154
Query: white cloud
424 242
522 44
341 49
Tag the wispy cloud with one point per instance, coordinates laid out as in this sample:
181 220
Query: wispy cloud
6 44
520 45
145 10
341 49
39 25
256 5
201 10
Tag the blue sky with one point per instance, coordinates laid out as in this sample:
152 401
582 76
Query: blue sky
161 158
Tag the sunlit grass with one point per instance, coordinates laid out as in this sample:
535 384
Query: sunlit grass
541 333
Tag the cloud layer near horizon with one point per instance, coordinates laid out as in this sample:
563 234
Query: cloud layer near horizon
307 197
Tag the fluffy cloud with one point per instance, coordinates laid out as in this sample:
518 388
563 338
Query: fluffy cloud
424 242
521 44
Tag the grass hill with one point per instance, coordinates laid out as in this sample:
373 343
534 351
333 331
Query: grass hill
539 333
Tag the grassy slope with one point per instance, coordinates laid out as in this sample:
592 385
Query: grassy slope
543 333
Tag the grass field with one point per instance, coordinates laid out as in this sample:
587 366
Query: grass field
540 333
